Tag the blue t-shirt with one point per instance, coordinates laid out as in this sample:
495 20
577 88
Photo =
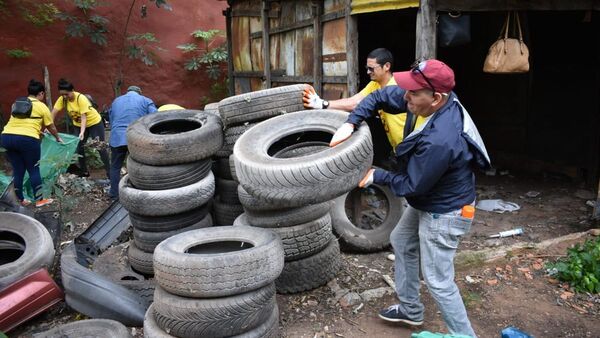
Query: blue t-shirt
124 110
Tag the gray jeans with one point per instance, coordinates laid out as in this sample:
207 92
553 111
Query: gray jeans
432 239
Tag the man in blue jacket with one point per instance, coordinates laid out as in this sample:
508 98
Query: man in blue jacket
124 110
435 175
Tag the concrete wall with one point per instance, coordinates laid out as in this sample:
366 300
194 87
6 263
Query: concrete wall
92 68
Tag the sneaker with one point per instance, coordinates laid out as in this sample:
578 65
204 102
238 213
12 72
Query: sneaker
43 202
25 203
393 314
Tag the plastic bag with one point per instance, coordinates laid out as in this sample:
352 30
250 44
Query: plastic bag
499 206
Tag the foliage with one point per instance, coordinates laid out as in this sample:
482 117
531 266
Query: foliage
205 56
18 53
92 154
139 48
85 23
39 13
581 267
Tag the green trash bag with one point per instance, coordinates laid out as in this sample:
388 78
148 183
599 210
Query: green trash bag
427 334
54 160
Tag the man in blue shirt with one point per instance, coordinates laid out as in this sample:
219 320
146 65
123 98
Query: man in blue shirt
124 110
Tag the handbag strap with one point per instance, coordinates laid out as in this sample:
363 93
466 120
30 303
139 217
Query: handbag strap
519 26
505 27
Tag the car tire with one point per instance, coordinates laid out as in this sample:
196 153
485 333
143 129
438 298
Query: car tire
151 177
90 328
287 217
140 261
169 222
147 240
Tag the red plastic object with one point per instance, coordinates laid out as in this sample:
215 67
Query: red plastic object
27 298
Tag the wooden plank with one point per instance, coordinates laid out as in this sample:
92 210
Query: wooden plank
334 48
259 74
317 47
517 5
330 6
300 24
241 44
253 13
288 39
304 40
266 44
231 84
352 50
334 57
256 45
335 91
426 31
596 213
308 79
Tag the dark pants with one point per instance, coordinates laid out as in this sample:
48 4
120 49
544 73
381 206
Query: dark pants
117 157
24 154
95 131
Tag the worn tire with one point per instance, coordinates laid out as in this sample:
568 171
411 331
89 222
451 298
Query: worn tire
151 329
212 108
251 202
89 328
147 240
169 222
262 104
268 329
230 136
303 180
227 191
163 139
139 260
311 272
287 217
355 238
221 168
225 213
305 239
166 202
150 177
220 274
39 248
213 317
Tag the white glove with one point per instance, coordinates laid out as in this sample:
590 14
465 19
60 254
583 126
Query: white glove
367 180
311 99
342 134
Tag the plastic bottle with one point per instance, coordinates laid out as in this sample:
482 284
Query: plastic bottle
507 233
468 211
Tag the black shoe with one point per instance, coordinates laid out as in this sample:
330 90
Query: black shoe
393 314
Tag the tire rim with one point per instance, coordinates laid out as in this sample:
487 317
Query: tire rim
370 205
176 126
12 247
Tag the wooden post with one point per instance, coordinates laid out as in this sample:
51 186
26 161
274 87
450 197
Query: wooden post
266 43
596 213
47 84
426 31
317 47
228 27
351 50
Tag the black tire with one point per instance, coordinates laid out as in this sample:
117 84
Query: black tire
221 168
230 136
89 328
356 238
251 202
311 272
210 262
147 241
305 239
144 288
225 214
151 329
140 261
166 202
301 149
309 179
212 108
150 177
262 104
24 231
287 217
170 222
268 329
215 317
163 139
227 191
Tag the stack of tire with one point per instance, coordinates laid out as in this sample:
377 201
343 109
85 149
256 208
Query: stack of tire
240 113
216 282
287 175
169 183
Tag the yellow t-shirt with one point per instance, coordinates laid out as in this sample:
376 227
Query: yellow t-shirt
32 127
80 105
170 106
392 123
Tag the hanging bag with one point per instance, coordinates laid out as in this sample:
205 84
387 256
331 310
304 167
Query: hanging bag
454 29
508 55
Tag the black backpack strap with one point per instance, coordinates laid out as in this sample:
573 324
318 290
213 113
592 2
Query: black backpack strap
409 126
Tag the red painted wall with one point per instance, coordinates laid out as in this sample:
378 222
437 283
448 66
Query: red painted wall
92 69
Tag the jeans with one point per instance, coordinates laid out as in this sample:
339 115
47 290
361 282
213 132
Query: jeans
117 157
94 131
23 152
431 239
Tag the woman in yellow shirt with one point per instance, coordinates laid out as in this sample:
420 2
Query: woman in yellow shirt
86 120
21 137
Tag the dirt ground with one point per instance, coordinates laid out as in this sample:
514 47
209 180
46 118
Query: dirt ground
513 291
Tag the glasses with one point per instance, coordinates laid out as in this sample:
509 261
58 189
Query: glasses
415 68
371 69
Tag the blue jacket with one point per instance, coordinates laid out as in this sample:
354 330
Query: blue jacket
435 164
124 110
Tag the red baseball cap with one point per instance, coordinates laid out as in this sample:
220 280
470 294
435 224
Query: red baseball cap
429 74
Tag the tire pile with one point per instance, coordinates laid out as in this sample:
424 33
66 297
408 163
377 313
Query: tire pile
287 175
169 183
240 113
216 282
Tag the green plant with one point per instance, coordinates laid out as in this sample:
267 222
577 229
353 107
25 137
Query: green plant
581 267
139 48
18 53
205 56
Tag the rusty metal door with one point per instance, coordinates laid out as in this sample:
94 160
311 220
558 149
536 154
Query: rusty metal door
307 42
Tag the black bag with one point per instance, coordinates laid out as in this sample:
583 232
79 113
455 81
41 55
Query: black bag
22 108
454 29
92 101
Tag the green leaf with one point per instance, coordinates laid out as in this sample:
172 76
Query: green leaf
188 47
213 71
77 29
98 37
149 37
163 4
18 54
206 35
192 64
86 4
98 20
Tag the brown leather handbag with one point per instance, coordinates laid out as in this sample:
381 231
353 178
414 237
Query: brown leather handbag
508 55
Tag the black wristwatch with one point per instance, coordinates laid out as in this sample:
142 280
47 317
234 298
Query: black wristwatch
325 104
